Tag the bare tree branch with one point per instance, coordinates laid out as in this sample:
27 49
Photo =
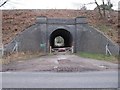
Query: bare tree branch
4 3
99 9
104 13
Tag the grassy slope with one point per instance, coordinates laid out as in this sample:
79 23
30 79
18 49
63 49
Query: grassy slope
109 58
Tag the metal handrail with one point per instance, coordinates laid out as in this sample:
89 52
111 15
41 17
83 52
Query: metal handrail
108 50
15 48
2 49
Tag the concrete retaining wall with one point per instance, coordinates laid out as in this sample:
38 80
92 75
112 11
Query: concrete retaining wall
85 38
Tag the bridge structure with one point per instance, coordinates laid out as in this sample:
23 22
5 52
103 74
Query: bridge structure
76 32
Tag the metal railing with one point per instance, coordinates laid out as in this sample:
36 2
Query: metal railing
2 50
15 48
108 52
71 49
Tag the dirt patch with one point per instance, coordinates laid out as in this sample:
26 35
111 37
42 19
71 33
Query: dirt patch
72 69
72 63
20 56
60 68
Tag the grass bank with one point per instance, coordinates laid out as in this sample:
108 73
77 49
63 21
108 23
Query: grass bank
104 57
20 56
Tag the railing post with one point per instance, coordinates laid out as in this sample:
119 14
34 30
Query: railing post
15 48
50 49
72 49
107 50
2 50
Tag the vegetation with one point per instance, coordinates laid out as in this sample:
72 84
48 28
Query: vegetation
104 57
20 56
59 41
103 7
106 6
108 31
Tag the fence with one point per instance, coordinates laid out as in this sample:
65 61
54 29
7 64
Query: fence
15 48
108 50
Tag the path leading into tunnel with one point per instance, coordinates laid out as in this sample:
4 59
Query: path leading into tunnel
60 63
83 73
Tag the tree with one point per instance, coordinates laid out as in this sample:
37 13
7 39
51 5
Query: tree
109 5
2 3
106 6
104 13
59 41
99 9
103 7
83 7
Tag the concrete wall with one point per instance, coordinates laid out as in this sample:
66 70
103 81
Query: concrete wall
85 38
91 40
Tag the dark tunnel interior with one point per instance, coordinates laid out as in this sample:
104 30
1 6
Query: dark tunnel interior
66 35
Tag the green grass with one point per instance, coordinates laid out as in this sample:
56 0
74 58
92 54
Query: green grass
104 57
103 28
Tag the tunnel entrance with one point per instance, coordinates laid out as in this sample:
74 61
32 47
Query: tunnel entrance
61 38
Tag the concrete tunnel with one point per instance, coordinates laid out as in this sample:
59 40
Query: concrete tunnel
66 35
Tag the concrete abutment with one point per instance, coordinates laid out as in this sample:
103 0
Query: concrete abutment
75 31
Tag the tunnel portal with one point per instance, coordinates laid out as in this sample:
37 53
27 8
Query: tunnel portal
76 34
66 35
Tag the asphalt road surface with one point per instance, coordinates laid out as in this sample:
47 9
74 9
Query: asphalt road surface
99 79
